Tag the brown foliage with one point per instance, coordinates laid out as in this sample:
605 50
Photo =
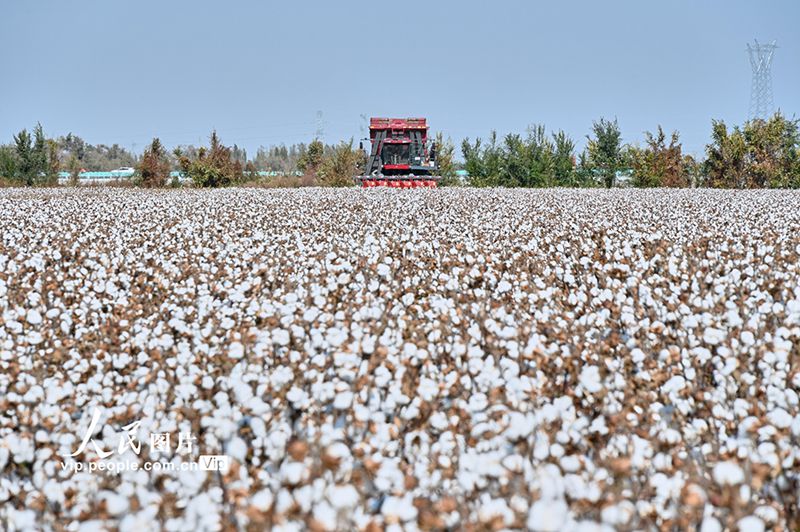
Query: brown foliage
153 171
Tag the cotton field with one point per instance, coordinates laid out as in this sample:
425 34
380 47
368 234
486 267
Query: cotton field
399 360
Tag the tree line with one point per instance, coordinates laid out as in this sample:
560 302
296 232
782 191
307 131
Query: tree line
218 165
32 159
758 154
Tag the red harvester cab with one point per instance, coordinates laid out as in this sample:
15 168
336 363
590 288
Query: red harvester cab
401 154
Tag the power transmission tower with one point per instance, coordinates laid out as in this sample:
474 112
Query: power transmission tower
320 134
762 104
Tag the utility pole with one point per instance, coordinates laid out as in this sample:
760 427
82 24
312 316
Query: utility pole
320 134
762 103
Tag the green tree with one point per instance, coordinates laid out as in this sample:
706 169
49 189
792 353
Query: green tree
8 163
540 158
473 161
694 170
515 170
39 154
584 171
772 152
564 160
518 161
483 163
74 145
212 166
96 158
341 165
659 164
34 167
311 158
726 157
53 162
24 151
445 154
26 167
605 155
762 153
74 166
153 169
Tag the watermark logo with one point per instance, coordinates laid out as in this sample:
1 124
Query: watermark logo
160 442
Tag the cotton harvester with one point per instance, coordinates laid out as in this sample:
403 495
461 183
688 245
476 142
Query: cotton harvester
401 154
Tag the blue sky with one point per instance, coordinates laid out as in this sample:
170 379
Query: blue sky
258 72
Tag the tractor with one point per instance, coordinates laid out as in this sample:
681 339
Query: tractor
401 155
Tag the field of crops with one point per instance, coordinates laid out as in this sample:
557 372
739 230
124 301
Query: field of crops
382 359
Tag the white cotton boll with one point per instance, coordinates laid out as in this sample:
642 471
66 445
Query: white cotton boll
513 462
728 474
338 451
674 385
384 270
570 464
4 455
438 421
637 355
336 337
478 402
325 515
111 289
410 412
343 497
115 504
236 350
280 337
22 519
702 354
297 397
236 449
493 509
710 524
22 448
618 514
590 379
503 287
33 317
258 427
750 523
428 389
768 514
281 376
519 426
747 338
780 418
399 509
343 400
52 490
293 472
714 336
262 500
547 515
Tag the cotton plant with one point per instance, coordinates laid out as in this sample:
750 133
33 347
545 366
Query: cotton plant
400 360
